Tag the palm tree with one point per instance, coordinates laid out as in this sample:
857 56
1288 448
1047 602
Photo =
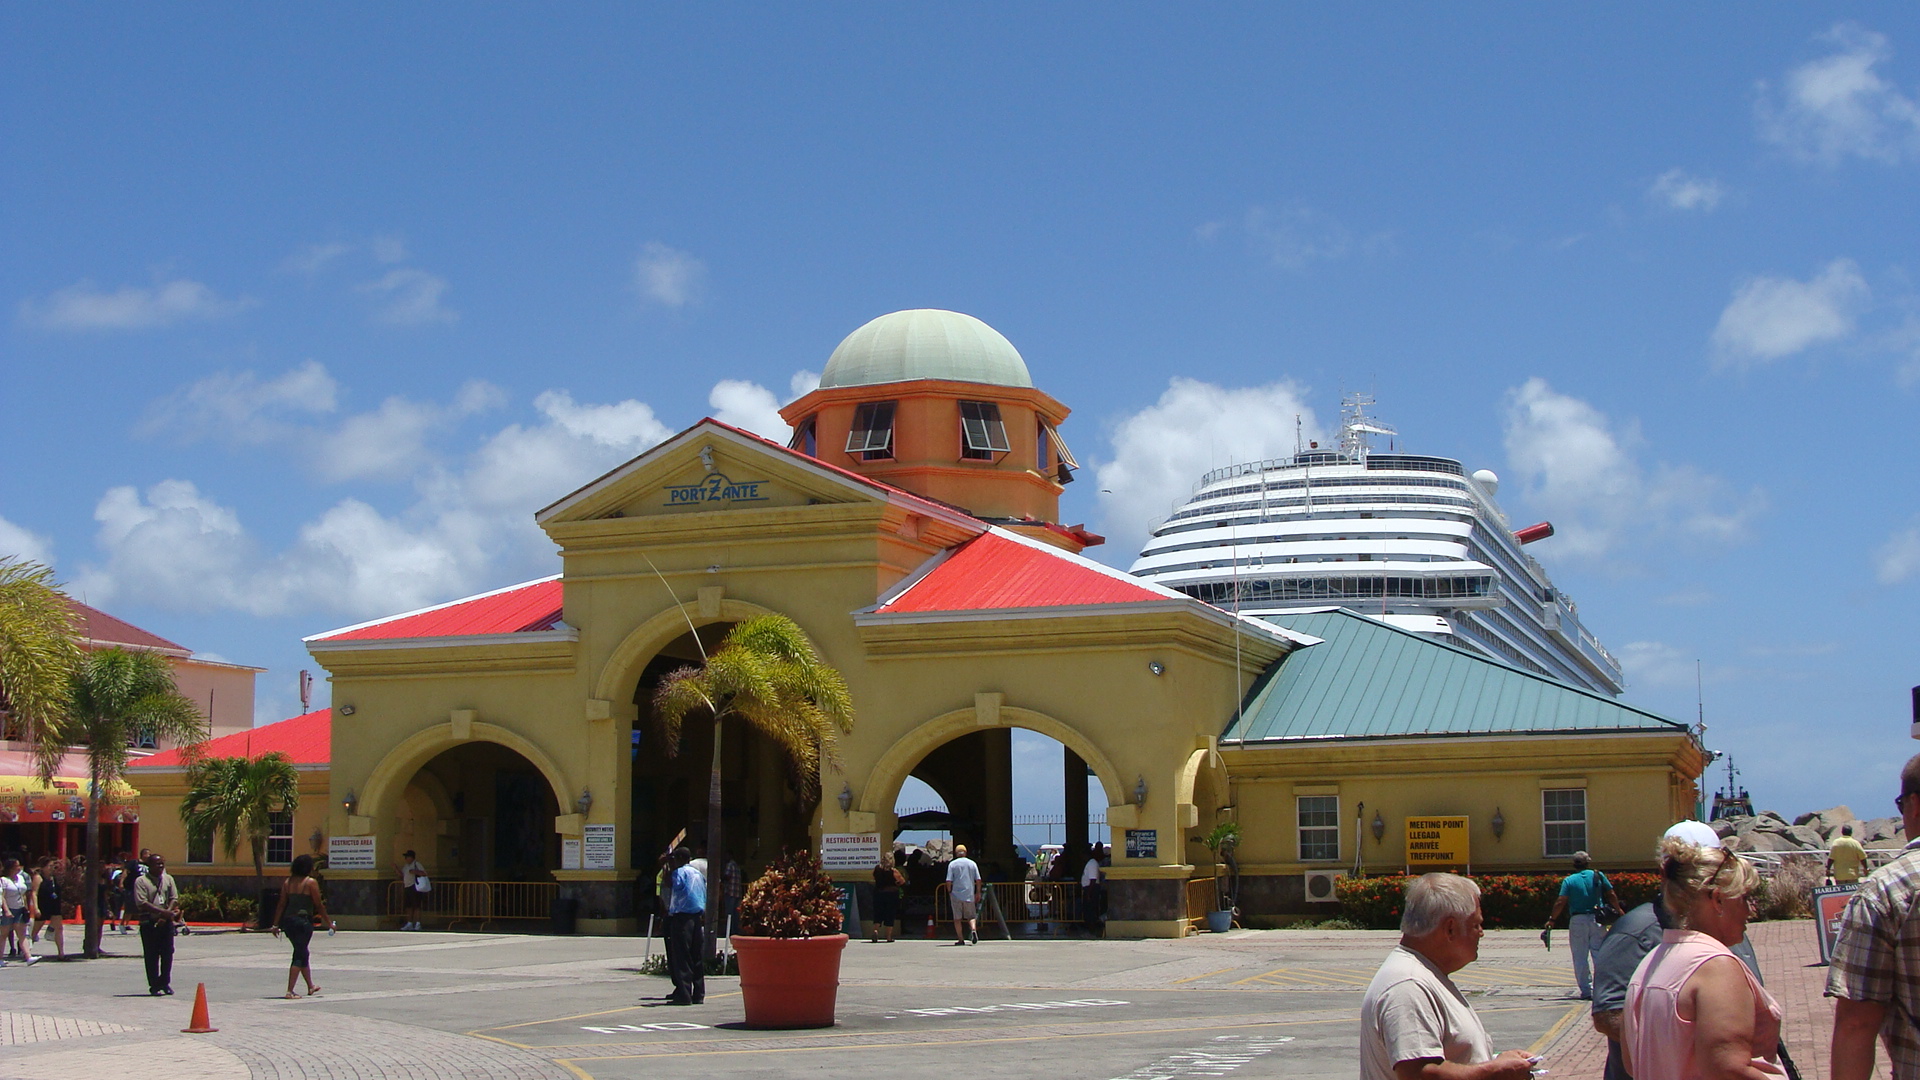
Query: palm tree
766 674
118 696
238 796
37 656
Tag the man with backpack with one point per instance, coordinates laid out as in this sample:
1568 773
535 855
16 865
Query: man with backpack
1588 895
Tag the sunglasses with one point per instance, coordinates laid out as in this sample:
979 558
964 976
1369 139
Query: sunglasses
1900 803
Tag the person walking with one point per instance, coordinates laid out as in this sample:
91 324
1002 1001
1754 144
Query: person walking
412 874
49 902
1093 891
887 880
1845 857
963 883
1414 1022
686 930
1590 895
16 910
300 904
157 901
1693 1010
1875 977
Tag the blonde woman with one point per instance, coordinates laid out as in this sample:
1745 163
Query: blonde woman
1693 1010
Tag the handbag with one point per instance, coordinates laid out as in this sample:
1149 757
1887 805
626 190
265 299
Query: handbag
422 883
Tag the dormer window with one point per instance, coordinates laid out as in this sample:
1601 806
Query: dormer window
1064 464
805 438
982 435
872 434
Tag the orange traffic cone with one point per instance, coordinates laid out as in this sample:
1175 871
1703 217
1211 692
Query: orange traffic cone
201 1024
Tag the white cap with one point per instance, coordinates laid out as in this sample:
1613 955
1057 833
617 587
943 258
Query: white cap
1695 832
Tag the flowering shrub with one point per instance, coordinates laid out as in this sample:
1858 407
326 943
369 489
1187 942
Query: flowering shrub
1506 900
792 899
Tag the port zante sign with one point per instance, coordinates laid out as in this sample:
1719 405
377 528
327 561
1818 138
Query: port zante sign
1437 841
715 488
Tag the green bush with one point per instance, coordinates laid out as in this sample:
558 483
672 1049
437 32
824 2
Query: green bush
1506 900
212 905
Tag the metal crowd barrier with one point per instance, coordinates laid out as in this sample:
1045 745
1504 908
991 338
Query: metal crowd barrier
455 902
1203 897
1039 906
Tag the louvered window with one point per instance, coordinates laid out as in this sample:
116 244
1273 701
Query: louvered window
1063 457
803 439
872 434
982 435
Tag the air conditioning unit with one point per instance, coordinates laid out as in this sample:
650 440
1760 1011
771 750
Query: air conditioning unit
1319 886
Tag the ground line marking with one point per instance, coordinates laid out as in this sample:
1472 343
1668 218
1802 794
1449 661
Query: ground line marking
1559 1025
1208 975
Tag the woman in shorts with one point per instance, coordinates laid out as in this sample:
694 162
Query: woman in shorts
16 886
48 903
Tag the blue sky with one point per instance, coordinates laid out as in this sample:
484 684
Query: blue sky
302 314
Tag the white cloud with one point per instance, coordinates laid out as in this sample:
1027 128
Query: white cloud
1676 189
1296 236
1657 664
668 276
1160 452
390 442
387 249
1772 317
1839 106
802 384
749 405
84 307
1576 468
241 406
1898 559
21 543
410 296
313 258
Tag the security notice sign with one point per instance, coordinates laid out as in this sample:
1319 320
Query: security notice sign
596 847
849 851
350 853
1437 841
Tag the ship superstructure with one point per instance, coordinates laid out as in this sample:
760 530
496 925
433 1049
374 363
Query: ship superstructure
1408 538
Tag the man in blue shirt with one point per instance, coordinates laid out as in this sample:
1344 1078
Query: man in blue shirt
1588 893
686 931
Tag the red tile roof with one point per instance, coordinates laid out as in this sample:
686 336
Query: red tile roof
308 740
100 628
997 570
528 606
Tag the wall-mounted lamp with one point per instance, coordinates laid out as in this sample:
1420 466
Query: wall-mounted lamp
846 797
1156 667
351 804
706 457
317 840
1499 824
1140 792
1379 827
346 710
585 802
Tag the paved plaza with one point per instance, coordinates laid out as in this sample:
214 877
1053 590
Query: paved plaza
428 1005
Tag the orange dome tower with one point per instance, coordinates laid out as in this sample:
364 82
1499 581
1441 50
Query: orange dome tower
940 404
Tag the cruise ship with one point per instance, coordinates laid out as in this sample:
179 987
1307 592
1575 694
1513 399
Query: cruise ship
1411 539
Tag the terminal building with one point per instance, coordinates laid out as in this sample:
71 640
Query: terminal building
912 530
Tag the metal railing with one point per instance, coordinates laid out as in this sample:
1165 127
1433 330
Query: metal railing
455 902
1038 906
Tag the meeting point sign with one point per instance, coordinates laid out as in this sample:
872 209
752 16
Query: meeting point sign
1437 841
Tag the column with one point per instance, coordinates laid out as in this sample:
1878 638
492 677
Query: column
996 811
1074 846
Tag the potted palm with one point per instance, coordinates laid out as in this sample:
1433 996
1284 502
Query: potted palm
789 945
1222 841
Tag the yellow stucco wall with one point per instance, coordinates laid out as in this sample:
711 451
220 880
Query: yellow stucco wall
160 829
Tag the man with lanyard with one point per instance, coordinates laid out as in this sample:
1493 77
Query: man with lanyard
156 900
1875 978
1590 894
686 931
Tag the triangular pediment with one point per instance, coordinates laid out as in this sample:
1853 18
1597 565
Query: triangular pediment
710 468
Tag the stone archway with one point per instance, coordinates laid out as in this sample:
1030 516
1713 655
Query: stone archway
388 781
624 665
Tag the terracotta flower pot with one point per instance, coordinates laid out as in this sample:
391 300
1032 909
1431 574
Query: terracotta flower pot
789 982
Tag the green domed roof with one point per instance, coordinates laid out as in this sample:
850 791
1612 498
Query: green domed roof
925 343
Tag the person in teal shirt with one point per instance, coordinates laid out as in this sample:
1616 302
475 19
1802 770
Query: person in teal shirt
1585 894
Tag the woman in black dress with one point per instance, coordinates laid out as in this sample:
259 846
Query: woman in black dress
300 905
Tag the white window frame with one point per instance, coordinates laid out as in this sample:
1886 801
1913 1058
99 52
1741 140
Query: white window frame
1548 822
982 433
280 828
1320 832
872 433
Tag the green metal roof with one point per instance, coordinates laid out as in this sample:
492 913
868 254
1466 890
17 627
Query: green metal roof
1368 680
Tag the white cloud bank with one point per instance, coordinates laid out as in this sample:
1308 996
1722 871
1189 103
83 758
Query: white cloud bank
84 307
1295 237
1898 560
1574 465
1160 452
410 296
1773 317
668 276
1839 106
1676 189
21 543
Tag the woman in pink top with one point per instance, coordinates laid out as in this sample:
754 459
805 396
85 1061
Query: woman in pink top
1694 1011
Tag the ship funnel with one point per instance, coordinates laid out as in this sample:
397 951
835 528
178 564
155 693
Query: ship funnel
1534 532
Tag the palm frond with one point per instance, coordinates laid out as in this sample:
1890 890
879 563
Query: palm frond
679 695
38 652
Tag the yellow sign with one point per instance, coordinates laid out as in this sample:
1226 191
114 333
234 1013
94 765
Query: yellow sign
1437 841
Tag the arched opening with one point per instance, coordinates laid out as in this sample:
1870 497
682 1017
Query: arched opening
760 812
480 811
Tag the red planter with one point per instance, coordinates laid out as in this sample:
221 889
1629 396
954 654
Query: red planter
789 982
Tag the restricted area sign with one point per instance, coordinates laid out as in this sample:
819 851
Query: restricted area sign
1437 841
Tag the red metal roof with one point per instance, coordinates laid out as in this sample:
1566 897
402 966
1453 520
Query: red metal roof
307 739
100 628
995 571
532 605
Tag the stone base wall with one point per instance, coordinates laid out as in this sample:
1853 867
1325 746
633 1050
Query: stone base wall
1146 899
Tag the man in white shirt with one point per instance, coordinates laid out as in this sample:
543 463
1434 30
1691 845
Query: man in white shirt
1093 890
963 878
1414 1023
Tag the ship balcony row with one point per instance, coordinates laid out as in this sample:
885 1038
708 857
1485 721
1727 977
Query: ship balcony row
1415 555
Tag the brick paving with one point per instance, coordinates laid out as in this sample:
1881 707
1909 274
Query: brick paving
1790 964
